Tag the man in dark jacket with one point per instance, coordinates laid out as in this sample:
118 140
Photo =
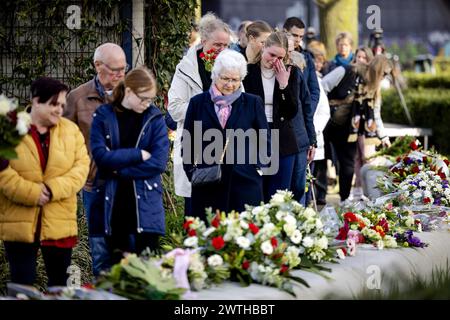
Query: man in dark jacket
309 100
110 65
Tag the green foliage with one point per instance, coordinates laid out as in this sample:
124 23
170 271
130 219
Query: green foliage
36 41
427 81
139 279
429 108
407 52
168 36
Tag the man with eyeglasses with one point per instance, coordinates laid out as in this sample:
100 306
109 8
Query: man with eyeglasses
110 66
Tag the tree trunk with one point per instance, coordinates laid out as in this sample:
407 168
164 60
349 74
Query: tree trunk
337 16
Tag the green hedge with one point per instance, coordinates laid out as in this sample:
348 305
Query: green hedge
423 80
429 108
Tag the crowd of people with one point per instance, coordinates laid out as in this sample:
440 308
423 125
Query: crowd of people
108 140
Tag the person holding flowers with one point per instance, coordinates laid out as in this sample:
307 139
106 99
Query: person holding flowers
38 189
193 76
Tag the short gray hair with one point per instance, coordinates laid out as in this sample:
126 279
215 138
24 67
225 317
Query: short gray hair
106 49
210 23
229 59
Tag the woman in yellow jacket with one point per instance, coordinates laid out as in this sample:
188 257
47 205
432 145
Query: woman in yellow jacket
38 202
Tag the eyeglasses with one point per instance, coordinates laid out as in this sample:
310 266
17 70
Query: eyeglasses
144 100
230 80
116 70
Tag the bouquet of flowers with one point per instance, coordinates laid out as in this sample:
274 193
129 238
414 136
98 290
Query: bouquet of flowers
14 124
141 279
412 164
208 58
262 244
385 227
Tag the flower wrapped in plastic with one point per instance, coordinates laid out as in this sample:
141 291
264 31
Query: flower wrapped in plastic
14 124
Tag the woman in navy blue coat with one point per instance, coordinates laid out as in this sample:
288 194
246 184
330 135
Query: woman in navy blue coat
224 111
130 147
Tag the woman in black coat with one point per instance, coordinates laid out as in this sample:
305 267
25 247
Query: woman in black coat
225 112
278 86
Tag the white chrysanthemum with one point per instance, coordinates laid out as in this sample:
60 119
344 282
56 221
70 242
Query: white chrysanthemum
422 184
280 215
296 237
191 242
322 242
243 242
245 215
409 221
289 229
308 242
23 122
215 260
266 247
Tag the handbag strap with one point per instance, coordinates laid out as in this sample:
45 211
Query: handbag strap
221 156
224 150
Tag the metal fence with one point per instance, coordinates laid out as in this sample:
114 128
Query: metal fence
38 40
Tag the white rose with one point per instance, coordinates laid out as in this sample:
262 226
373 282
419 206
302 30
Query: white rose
23 123
277 199
280 215
290 220
308 242
319 224
243 242
289 229
244 225
296 237
215 260
4 107
191 242
266 247
309 213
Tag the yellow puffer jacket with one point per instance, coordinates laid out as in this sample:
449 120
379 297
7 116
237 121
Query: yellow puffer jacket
21 185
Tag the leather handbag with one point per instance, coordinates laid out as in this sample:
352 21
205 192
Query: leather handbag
208 175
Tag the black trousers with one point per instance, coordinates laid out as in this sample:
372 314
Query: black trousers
22 262
120 243
345 152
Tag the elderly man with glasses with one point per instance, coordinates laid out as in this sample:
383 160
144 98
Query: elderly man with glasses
110 66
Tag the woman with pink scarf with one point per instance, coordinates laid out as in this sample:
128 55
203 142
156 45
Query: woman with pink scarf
224 113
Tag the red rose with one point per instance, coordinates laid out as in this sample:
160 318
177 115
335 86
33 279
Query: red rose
187 224
398 159
442 174
253 228
218 242
284 268
192 233
415 169
425 159
245 265
413 145
446 162
343 232
426 200
350 217
274 242
202 54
